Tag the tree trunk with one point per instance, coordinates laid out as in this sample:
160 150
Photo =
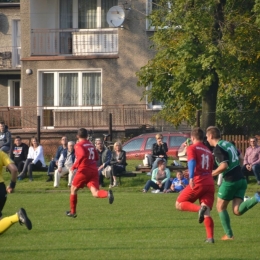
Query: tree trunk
209 104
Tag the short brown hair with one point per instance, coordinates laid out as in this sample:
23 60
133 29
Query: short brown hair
197 133
82 133
214 131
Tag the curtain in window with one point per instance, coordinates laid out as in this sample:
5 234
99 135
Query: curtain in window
105 6
87 14
48 89
91 89
68 89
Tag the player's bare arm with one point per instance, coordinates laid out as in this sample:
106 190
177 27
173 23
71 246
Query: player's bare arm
13 170
221 168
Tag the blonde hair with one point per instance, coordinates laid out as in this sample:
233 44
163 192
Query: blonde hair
118 144
158 136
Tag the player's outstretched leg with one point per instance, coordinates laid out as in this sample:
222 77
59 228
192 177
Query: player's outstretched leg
23 218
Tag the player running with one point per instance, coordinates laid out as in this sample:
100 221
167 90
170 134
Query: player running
201 184
87 173
21 215
234 184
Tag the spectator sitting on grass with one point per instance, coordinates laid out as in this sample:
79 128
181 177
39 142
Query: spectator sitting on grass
160 178
178 183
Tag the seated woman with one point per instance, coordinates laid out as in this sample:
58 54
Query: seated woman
159 151
34 161
160 178
178 183
5 138
117 162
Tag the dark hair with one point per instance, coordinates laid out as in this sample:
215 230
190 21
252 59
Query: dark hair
161 162
2 123
82 133
197 133
214 131
18 137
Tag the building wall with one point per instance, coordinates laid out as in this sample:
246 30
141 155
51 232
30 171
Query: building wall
118 74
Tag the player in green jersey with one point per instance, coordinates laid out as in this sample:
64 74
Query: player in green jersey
234 184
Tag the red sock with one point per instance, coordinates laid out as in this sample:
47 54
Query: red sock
209 225
102 194
188 206
73 203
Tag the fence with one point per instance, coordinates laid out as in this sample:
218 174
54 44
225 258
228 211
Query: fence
123 117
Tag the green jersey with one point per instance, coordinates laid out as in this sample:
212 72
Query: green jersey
227 152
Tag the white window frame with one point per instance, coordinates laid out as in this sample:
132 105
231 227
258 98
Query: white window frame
150 105
149 9
11 92
56 90
15 62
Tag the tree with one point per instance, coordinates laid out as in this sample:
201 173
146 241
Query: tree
207 57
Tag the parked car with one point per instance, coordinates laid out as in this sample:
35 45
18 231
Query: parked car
137 147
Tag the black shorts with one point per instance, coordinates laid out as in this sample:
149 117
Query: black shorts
3 196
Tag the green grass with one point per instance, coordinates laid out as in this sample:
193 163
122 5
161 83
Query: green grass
136 226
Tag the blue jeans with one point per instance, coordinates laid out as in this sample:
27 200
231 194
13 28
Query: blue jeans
51 167
255 169
152 184
101 177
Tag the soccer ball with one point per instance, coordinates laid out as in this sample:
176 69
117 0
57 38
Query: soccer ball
246 198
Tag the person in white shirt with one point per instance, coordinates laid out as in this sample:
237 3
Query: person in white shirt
65 163
35 159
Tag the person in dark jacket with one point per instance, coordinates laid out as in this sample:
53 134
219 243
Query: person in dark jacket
5 138
54 161
117 162
19 153
159 152
103 161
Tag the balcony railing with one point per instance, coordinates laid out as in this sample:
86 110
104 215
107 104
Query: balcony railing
81 42
9 58
123 117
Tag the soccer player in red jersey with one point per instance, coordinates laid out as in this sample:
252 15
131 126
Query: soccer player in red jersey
201 183
87 173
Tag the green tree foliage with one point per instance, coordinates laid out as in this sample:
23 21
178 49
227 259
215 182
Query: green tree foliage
207 57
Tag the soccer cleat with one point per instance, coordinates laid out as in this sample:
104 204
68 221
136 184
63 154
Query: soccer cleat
226 237
23 219
210 240
110 196
72 215
257 196
201 213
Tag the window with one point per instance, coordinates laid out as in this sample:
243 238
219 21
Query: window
155 104
16 43
84 14
70 88
134 145
151 141
14 93
177 140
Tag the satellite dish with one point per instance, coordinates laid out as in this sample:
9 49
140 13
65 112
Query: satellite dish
115 16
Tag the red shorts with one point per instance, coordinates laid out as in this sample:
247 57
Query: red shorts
82 179
203 193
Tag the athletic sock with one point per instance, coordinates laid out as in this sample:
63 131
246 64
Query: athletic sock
73 203
102 194
209 225
7 222
246 205
225 221
188 206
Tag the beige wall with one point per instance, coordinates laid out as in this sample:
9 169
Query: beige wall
118 75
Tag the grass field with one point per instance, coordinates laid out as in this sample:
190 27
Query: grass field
136 226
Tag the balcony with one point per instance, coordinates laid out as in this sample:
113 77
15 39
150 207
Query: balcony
74 42
10 58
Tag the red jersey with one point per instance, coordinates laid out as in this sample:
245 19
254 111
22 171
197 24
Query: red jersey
204 163
86 157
